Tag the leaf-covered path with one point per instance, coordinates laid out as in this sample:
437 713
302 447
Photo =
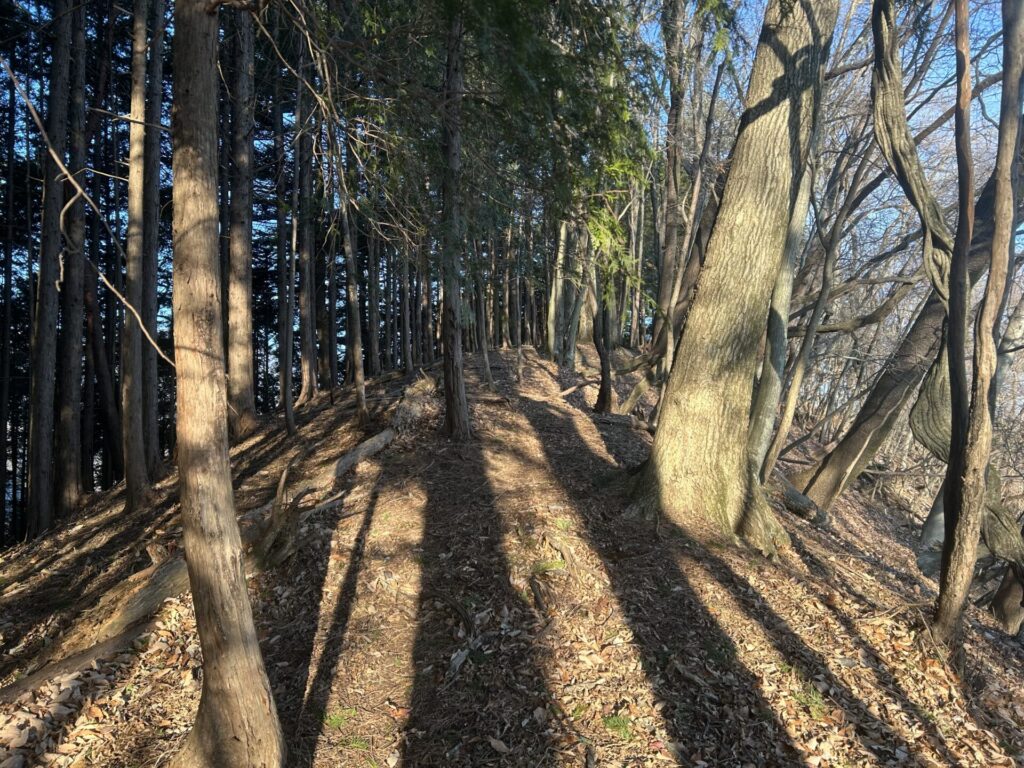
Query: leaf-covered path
490 604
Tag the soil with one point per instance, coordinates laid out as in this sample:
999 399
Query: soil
490 604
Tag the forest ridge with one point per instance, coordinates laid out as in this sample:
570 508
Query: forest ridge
379 373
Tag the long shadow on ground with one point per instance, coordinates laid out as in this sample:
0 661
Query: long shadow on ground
478 678
669 620
713 713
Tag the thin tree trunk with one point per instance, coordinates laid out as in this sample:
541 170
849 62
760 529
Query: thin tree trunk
132 424
241 393
353 327
769 386
69 421
456 408
44 324
285 265
151 240
971 441
307 314
236 723
373 304
5 331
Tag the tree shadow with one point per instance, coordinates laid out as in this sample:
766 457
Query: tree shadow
305 709
478 674
713 709
668 618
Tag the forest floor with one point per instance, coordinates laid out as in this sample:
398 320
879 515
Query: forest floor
490 605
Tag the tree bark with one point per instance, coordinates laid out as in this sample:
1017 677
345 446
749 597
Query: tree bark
69 409
151 240
237 721
699 463
39 513
285 263
456 408
132 424
304 175
769 385
241 393
971 442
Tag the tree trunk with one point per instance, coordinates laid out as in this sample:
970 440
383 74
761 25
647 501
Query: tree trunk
456 408
307 313
406 324
69 411
132 424
898 381
554 326
971 442
672 24
285 264
237 721
241 394
699 462
151 240
373 304
353 327
769 385
5 331
44 323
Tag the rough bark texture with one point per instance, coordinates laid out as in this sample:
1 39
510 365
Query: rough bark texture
151 240
285 267
237 722
456 417
69 430
241 397
769 385
970 446
554 319
39 513
353 328
699 463
304 176
132 424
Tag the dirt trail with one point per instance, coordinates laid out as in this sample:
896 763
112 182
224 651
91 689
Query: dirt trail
488 604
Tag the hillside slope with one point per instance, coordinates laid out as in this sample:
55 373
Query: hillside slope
489 604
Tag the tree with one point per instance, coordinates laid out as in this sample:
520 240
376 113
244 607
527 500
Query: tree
69 431
971 441
237 722
44 325
699 460
456 417
133 426
241 396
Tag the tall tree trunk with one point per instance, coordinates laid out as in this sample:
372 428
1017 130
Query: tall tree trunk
353 324
898 381
151 240
44 323
5 331
285 264
304 175
456 407
373 303
241 393
407 362
769 385
132 424
673 18
69 424
971 441
236 723
699 459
